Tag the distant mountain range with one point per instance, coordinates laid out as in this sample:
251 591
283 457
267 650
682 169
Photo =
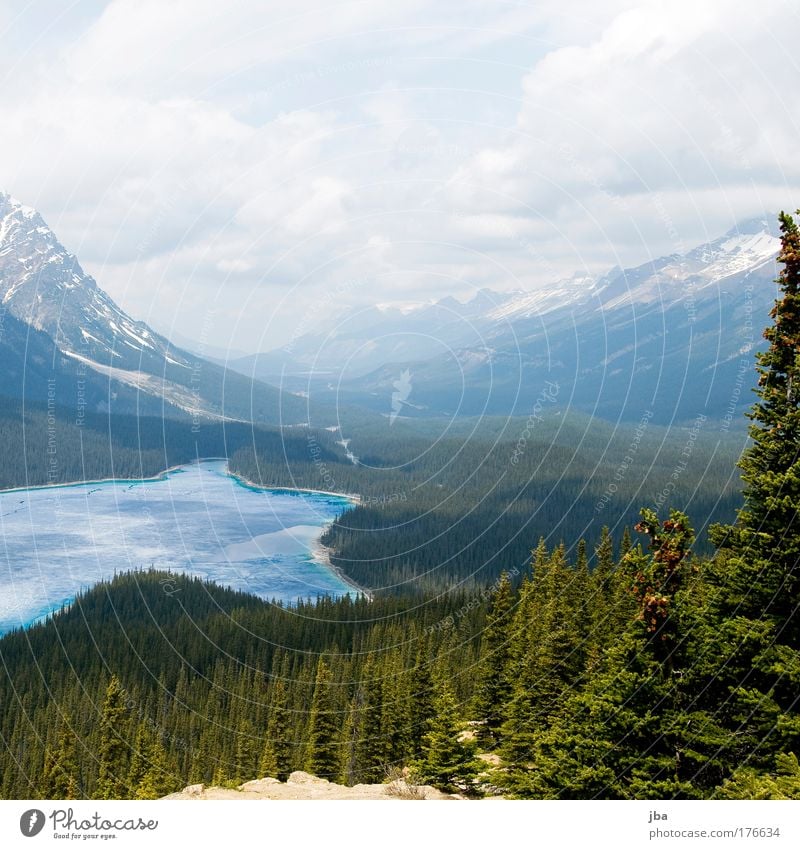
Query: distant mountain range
670 340
64 339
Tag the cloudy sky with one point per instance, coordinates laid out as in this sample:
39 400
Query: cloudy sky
225 168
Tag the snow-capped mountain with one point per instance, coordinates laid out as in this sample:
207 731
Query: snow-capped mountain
44 286
668 334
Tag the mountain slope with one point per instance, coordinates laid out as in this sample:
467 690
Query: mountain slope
669 339
44 286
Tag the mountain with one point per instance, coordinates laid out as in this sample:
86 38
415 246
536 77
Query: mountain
668 340
60 321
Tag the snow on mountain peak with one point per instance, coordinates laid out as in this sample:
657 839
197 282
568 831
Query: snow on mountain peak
44 285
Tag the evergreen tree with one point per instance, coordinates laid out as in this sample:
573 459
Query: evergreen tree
60 773
449 762
748 783
626 544
323 728
138 766
113 748
763 576
158 779
276 758
494 691
421 693
623 735
752 655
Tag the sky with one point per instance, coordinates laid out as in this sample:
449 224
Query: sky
225 170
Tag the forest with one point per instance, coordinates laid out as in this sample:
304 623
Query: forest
620 666
460 509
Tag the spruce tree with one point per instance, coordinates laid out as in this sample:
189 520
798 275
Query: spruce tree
276 757
623 735
60 773
751 655
138 766
763 577
158 779
323 728
113 749
495 688
627 543
448 761
421 695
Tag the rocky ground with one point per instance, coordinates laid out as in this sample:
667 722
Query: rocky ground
302 785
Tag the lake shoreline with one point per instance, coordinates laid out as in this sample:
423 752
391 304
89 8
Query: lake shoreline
317 551
320 552
352 497
67 484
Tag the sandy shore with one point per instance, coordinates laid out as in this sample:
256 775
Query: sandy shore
354 497
322 554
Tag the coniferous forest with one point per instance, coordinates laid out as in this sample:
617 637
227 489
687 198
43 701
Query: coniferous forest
593 663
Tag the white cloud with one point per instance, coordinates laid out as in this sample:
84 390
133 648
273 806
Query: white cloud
198 154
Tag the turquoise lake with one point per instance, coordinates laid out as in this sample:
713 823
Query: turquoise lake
196 519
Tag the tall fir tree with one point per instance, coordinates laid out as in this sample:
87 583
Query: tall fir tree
448 760
323 759
763 577
277 754
60 774
113 748
495 687
620 736
754 652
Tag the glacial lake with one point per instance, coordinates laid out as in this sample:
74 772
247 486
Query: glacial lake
196 519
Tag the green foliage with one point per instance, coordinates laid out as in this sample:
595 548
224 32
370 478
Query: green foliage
276 758
748 783
323 728
448 759
113 749
495 687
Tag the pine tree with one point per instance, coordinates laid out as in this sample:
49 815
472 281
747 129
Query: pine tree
158 779
138 766
113 749
276 758
763 578
626 544
323 728
60 772
448 761
247 752
751 656
421 693
624 734
495 688
781 783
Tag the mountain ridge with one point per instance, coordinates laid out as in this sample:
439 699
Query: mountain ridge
97 344
679 321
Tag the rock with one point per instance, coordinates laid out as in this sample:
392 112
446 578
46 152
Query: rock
300 777
257 785
194 790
